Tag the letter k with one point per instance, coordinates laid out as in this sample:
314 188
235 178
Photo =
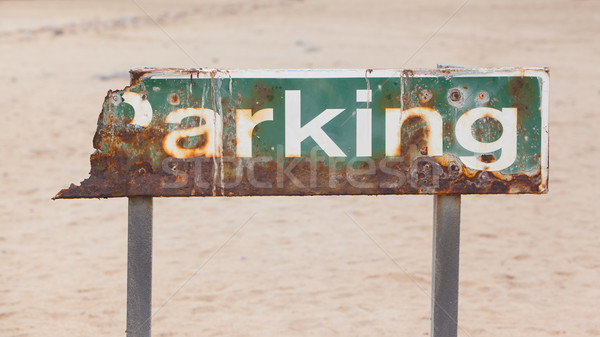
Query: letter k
295 133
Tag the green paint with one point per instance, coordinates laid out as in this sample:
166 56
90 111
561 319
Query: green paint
336 93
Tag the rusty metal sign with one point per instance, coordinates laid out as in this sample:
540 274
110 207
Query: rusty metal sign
197 132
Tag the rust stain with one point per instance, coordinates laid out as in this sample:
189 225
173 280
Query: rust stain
425 95
455 95
432 175
414 137
488 158
174 99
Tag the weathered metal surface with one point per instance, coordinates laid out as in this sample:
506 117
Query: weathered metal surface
444 274
139 267
195 132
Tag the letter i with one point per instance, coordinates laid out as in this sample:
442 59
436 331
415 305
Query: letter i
363 125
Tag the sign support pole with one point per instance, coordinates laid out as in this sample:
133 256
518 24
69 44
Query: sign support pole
139 267
444 278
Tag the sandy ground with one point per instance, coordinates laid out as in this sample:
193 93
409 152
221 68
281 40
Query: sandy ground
530 265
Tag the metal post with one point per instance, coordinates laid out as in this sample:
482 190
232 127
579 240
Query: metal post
444 279
139 267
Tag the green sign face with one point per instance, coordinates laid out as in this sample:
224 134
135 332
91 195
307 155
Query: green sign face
177 132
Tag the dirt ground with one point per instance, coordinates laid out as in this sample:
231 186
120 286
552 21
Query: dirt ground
290 266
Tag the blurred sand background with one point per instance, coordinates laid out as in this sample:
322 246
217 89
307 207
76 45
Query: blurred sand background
530 265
